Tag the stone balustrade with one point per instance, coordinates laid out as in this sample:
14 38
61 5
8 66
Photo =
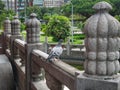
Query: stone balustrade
29 62
101 65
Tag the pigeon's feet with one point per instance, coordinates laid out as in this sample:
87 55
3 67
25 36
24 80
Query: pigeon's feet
52 60
49 60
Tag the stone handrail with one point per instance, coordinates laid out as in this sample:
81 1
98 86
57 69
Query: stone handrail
57 71
63 72
20 44
28 60
65 67
74 52
101 65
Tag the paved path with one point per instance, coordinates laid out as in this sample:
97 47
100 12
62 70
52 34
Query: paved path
6 74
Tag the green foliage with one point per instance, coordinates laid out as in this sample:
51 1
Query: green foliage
34 9
79 36
80 7
78 66
42 12
46 16
117 17
58 27
5 14
80 25
84 7
116 7
2 5
22 27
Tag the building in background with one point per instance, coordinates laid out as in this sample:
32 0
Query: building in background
6 4
9 4
38 3
53 3
20 5
65 1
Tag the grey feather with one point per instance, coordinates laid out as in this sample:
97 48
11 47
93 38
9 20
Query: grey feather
56 51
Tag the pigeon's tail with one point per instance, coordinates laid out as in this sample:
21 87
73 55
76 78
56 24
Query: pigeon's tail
49 59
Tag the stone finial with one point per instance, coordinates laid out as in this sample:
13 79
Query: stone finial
33 15
33 29
102 6
15 26
7 25
102 43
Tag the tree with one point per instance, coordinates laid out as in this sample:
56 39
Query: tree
116 7
58 27
2 6
84 7
4 14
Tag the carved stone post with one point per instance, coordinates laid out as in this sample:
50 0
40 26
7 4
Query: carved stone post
7 26
15 26
15 31
101 42
33 42
7 30
102 45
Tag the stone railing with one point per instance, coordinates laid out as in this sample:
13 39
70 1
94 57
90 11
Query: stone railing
102 53
57 73
71 53
30 67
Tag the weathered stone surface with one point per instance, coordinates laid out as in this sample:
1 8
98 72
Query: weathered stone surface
15 26
91 65
102 56
7 25
92 43
92 55
33 42
33 29
101 66
102 42
86 83
52 83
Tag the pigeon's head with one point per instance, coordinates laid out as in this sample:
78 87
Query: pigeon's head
60 41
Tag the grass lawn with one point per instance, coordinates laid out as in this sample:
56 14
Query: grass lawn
78 66
42 39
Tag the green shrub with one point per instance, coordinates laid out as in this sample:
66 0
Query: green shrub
58 27
22 27
79 36
117 17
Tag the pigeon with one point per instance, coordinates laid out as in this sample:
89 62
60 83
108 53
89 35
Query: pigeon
56 51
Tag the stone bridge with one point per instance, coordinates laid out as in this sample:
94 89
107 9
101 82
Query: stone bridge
26 67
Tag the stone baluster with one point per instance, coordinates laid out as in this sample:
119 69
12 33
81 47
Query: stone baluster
15 26
33 30
7 30
7 26
102 51
33 42
101 42
15 34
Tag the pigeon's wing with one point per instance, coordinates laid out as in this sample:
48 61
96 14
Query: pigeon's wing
58 51
55 52
50 54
